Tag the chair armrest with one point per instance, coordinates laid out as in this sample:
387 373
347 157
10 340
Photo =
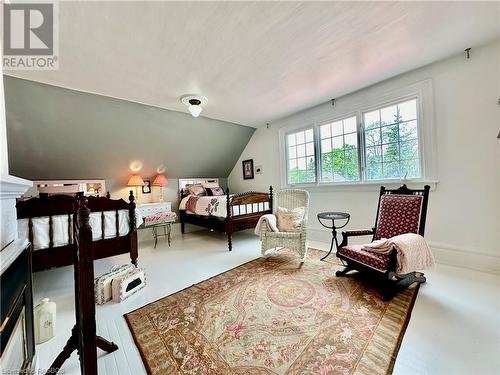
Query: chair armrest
355 233
264 228
303 228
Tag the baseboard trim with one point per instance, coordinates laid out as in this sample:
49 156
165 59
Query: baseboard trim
465 258
446 254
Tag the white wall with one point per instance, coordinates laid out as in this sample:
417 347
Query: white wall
463 224
4 158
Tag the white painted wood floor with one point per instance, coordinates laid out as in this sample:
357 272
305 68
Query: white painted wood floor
454 328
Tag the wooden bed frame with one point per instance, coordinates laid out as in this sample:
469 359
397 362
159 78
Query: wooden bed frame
58 256
233 222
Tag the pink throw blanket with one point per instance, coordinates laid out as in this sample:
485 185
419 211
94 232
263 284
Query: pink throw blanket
269 220
413 254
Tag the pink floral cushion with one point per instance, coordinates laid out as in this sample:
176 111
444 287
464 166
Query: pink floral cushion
398 214
374 260
290 220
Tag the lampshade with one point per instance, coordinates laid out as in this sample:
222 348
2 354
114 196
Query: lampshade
160 180
135 180
195 109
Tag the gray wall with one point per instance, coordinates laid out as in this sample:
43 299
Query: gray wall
55 133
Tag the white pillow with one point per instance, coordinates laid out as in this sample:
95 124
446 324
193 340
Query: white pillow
290 220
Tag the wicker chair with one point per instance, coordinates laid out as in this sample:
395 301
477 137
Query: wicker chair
296 241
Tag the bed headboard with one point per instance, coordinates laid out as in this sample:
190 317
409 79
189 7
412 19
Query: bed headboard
183 182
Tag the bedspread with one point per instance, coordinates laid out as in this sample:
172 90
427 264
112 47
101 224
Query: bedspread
205 205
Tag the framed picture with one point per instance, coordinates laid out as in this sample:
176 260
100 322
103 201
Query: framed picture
146 188
247 169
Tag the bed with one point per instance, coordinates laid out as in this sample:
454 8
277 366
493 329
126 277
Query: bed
47 223
226 213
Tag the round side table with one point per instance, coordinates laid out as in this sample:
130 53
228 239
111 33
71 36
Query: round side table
333 216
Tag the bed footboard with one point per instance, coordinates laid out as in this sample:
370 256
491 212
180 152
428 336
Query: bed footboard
53 254
244 211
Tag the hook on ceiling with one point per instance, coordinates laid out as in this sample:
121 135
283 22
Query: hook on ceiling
467 52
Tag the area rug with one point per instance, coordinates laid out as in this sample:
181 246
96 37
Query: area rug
273 316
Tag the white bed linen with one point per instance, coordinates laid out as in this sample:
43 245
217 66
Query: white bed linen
60 228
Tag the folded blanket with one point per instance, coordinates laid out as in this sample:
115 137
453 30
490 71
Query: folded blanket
413 254
160 217
269 220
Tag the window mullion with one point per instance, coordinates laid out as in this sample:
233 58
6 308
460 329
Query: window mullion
317 156
361 150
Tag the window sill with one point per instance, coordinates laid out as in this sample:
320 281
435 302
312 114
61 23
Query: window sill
364 186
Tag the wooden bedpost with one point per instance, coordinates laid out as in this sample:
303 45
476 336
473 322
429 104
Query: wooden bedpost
108 195
181 217
86 307
132 229
229 232
271 198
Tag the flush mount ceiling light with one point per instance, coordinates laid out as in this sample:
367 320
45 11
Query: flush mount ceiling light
194 103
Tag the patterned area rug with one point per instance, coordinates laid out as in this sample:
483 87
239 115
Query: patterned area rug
273 316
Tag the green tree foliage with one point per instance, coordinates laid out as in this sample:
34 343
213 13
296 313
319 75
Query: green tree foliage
340 164
392 149
300 176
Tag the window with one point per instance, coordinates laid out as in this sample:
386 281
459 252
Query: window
301 157
391 142
339 151
370 145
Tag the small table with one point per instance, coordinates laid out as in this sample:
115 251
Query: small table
167 229
148 209
333 216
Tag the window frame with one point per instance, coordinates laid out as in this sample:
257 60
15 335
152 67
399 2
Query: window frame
319 168
287 159
361 134
421 91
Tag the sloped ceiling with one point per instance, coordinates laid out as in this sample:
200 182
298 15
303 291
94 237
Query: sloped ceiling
54 133
255 61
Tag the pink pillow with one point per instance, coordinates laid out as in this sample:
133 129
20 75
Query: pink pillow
197 190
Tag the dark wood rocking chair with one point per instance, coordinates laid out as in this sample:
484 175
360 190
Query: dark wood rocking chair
399 211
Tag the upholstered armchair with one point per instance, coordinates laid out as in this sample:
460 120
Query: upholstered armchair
295 241
400 211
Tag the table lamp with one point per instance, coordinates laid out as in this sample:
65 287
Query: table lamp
160 180
135 180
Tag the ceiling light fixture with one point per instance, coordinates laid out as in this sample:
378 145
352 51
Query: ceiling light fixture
194 103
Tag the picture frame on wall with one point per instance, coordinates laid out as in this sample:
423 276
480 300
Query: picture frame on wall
247 169
146 188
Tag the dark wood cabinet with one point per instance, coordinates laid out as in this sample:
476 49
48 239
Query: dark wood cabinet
17 343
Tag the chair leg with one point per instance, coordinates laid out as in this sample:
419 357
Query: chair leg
343 272
264 248
402 282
